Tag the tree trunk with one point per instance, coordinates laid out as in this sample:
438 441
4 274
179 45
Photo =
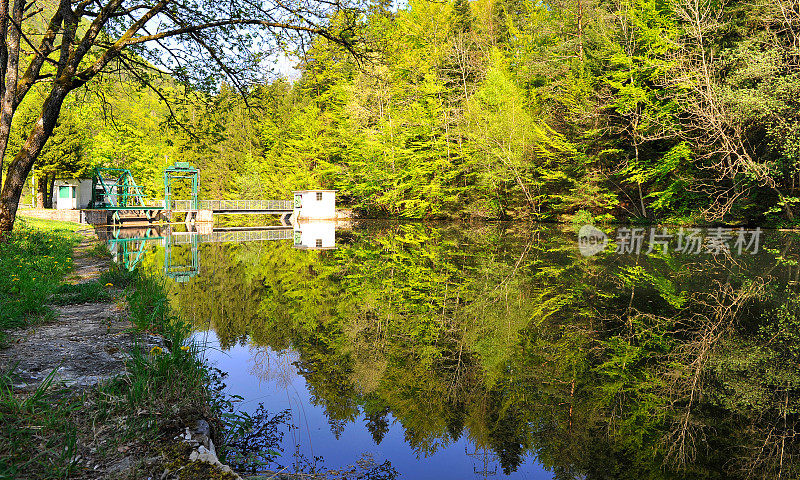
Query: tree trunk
48 202
8 211
41 191
20 167
580 31
10 54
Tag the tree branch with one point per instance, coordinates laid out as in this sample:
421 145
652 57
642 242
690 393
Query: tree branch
160 95
42 56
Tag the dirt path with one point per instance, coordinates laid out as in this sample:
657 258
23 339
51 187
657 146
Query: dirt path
87 344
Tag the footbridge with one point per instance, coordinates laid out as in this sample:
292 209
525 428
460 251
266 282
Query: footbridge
267 207
233 235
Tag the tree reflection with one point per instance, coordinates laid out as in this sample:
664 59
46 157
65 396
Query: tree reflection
614 366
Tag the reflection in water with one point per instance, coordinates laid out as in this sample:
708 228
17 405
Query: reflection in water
128 244
499 350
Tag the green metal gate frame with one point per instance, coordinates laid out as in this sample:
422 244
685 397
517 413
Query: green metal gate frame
182 273
119 189
181 170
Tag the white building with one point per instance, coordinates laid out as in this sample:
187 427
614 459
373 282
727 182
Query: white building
314 205
315 235
72 193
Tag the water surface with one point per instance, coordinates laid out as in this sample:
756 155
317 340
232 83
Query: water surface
502 350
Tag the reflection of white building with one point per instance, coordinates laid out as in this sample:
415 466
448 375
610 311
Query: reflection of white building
72 194
319 235
315 204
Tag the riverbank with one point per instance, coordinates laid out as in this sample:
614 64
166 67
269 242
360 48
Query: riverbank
97 377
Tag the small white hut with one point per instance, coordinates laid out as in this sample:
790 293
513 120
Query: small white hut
72 193
312 235
314 205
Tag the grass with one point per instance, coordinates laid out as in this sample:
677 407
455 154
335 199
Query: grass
168 388
163 391
39 435
100 250
32 263
68 294
49 225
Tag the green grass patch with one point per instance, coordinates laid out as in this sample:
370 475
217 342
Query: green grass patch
100 250
49 225
32 264
89 292
38 434
168 387
163 391
118 277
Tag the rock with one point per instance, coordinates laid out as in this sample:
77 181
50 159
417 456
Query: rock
203 449
121 467
203 428
201 440
208 458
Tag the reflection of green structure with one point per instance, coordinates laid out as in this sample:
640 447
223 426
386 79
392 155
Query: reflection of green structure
115 190
180 171
185 272
130 251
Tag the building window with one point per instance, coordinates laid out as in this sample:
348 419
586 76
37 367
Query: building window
319 241
319 196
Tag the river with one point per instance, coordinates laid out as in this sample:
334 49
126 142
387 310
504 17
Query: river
520 351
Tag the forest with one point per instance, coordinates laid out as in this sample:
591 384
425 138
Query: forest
680 112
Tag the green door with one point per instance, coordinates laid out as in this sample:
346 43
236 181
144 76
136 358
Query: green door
64 197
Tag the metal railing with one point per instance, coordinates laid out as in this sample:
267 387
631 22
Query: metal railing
235 236
233 205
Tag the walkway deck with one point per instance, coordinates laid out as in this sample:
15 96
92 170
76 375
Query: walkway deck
235 206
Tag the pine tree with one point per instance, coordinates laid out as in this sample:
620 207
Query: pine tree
500 22
463 16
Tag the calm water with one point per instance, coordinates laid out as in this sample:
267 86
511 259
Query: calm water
501 350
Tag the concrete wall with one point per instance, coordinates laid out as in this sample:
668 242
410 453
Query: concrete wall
315 204
85 193
48 214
